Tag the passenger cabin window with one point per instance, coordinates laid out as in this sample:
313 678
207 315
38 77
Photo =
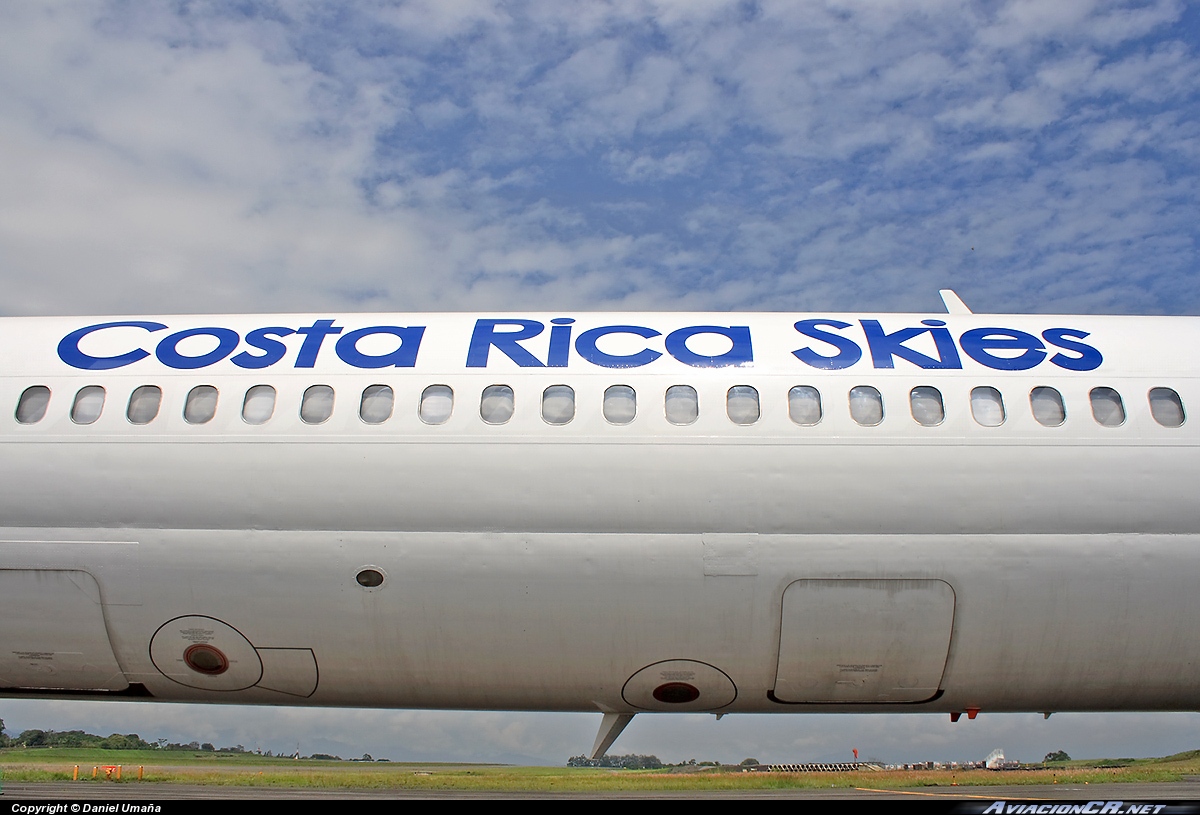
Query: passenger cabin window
558 404
1107 407
89 403
259 404
1047 406
681 404
987 406
201 405
620 404
866 405
926 405
31 407
317 404
1165 406
376 404
437 403
804 405
143 404
741 403
496 404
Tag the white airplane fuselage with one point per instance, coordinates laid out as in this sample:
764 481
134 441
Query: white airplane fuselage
765 556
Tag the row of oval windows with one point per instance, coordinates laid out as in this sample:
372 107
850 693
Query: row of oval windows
681 405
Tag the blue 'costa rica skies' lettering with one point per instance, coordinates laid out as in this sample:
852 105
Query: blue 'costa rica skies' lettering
263 346
506 337
823 343
1020 350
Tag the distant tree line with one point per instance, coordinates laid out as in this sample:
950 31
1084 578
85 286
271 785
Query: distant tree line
197 747
630 762
132 741
75 738
116 741
636 762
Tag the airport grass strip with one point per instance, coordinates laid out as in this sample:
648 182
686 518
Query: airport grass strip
257 771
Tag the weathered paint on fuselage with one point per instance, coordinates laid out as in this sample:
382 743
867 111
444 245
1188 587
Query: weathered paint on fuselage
529 565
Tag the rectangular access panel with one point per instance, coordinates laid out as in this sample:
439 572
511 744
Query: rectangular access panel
52 632
863 641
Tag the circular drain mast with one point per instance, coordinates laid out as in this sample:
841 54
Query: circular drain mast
679 684
205 653
205 659
676 693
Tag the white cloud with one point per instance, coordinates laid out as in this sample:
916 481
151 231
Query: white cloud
436 20
1162 73
220 162
438 114
637 167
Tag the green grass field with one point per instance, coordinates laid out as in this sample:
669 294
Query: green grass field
57 764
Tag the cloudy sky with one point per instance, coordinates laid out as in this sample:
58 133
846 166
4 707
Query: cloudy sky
635 154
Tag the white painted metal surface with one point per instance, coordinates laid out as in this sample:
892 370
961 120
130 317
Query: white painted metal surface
559 560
